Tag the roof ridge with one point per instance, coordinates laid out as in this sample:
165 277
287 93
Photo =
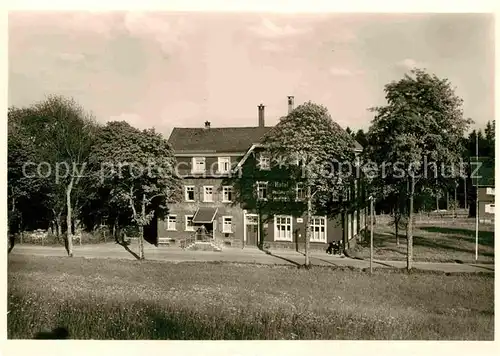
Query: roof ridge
224 127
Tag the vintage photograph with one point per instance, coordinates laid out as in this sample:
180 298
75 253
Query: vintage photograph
250 176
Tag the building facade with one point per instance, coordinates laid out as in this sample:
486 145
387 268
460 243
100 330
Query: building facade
486 202
485 184
224 195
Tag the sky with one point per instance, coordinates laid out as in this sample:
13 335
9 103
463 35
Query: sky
174 69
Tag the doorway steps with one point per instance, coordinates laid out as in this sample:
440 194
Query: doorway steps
204 246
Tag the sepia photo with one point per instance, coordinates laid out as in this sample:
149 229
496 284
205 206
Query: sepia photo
250 176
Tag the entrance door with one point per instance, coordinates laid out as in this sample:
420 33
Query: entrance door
204 231
252 229
252 235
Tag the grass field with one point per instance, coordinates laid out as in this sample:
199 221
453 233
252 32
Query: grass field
115 299
444 241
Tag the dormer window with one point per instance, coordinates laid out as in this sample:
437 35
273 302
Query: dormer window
224 164
198 165
264 162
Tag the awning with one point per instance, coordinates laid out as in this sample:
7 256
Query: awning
204 215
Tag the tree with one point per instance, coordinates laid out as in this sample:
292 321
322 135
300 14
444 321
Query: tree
417 136
309 137
489 134
56 132
137 168
65 134
21 189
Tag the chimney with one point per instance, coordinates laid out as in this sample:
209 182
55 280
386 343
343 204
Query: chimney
207 125
261 115
290 104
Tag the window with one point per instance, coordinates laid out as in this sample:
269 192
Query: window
171 222
208 194
283 228
262 190
252 219
490 191
189 223
489 208
318 227
227 194
300 192
189 192
224 164
264 162
227 222
198 165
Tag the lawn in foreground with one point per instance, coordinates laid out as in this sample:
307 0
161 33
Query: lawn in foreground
115 299
446 241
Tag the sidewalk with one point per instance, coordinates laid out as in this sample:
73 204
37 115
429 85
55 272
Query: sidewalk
247 255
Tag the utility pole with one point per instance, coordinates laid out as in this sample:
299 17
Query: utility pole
371 233
456 201
465 193
477 198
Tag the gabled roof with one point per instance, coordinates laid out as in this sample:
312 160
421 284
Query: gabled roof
221 139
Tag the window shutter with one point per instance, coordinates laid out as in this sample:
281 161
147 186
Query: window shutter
198 193
215 193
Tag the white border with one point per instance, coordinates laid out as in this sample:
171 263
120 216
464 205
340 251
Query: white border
273 6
